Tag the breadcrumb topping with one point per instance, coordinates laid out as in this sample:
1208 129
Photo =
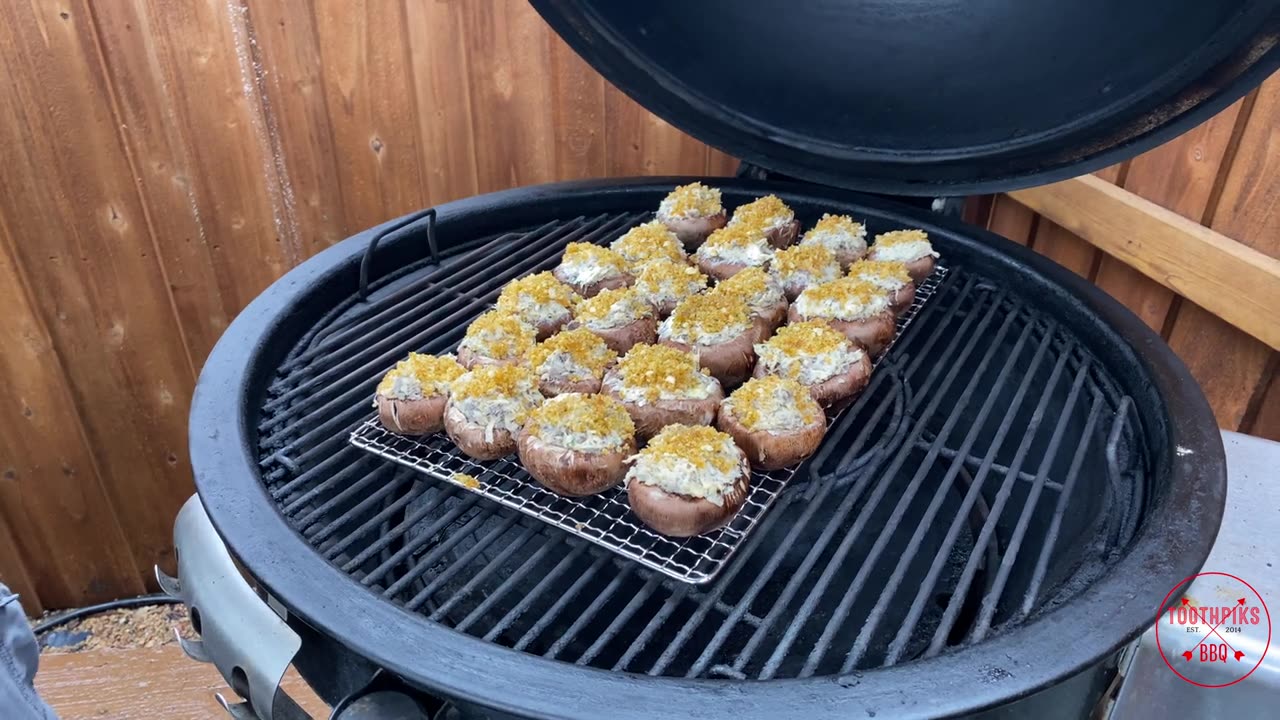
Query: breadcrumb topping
585 423
613 308
888 275
902 245
743 243
419 376
575 354
694 200
806 264
467 481
658 372
766 213
754 286
773 404
538 298
695 461
838 233
496 397
499 336
647 243
808 352
662 281
585 263
707 319
843 299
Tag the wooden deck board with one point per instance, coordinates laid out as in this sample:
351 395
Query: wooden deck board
144 684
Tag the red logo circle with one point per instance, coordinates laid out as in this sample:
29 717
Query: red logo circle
1216 640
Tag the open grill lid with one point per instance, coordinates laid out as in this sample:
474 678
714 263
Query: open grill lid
928 97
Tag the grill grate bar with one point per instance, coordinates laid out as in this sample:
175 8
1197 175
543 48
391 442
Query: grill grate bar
559 605
988 528
548 544
1055 525
972 496
620 620
425 593
589 612
398 480
279 493
341 479
805 613
546 582
991 601
418 542
859 580
419 513
423 564
484 574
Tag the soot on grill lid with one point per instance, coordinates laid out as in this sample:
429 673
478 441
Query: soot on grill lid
928 97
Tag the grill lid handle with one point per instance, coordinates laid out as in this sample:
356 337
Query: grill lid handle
928 97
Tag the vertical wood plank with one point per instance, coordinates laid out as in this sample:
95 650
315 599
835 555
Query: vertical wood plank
192 123
1178 175
366 65
283 33
1065 248
1230 365
13 572
1012 220
641 143
66 546
90 264
1267 422
720 164
577 99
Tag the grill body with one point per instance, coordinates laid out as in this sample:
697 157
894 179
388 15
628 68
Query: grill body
999 513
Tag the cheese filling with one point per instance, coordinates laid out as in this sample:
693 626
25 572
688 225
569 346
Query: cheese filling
650 373
808 352
844 299
757 288
613 309
571 355
767 213
585 263
694 200
496 397
773 404
888 275
804 265
419 376
902 246
708 319
839 234
648 243
699 462
538 299
669 282
740 244
582 423
499 336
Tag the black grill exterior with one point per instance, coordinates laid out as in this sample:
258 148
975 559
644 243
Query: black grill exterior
1028 474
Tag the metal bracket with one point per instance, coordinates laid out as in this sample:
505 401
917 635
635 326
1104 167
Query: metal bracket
249 643
366 262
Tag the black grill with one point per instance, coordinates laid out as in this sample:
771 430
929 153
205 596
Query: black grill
992 470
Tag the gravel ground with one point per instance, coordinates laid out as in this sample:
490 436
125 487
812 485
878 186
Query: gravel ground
150 626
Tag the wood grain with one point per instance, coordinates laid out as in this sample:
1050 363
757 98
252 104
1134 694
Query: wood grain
1012 220
1063 245
145 684
85 249
1229 278
14 574
1267 422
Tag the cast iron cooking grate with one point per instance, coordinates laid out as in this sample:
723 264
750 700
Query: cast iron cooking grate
606 519
991 470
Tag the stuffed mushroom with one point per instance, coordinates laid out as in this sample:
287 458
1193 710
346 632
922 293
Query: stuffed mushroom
830 365
661 386
646 243
764 297
772 217
577 444
718 330
890 276
688 481
855 308
664 284
907 246
692 212
541 301
841 235
496 338
487 407
732 249
589 268
571 361
774 420
412 395
622 318
796 268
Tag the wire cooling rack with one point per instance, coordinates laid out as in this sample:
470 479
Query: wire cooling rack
604 519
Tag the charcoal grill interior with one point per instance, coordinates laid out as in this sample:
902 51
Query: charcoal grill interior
992 471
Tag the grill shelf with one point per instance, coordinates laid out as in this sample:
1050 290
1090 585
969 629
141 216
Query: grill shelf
990 471
606 519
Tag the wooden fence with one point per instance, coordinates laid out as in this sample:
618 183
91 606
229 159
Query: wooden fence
162 162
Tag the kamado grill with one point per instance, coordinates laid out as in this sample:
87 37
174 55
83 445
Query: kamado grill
982 531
